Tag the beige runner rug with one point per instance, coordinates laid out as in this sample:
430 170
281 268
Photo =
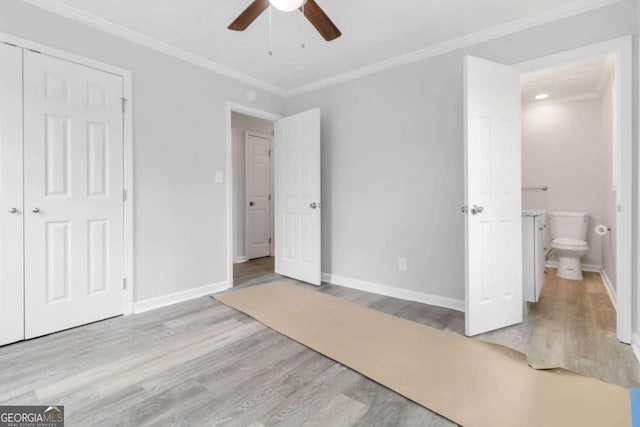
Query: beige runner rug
468 381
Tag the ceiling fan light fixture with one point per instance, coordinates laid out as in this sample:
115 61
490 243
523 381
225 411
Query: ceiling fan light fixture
312 12
287 5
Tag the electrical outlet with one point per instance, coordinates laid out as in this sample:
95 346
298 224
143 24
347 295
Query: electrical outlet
402 264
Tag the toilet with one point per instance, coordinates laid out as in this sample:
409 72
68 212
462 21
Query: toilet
569 241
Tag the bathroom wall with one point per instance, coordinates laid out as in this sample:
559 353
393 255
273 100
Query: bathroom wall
241 123
567 146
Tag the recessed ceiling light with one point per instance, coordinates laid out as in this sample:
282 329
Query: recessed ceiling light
542 96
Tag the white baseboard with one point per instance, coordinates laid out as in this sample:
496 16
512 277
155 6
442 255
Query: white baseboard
392 291
584 267
610 290
635 345
240 259
176 297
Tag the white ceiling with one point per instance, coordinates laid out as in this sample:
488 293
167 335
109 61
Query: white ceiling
373 30
586 77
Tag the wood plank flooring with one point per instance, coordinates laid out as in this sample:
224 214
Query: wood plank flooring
254 271
200 363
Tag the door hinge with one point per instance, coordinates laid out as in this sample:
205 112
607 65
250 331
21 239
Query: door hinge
124 104
124 283
269 240
269 196
269 153
619 208
124 195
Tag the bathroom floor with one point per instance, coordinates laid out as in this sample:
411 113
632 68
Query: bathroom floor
574 326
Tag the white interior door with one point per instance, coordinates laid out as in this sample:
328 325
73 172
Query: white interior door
297 193
11 215
73 169
493 196
258 190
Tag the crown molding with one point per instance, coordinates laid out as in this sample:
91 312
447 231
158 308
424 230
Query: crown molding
606 76
492 33
575 8
96 22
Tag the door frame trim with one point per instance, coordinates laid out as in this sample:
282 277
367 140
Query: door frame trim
621 48
127 89
253 112
247 134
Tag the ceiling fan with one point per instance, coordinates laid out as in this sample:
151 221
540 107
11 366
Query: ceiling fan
310 8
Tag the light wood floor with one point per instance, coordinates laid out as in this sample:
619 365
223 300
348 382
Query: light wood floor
200 363
255 271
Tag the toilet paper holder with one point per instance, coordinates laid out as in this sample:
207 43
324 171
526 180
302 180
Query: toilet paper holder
602 230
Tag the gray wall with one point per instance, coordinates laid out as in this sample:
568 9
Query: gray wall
241 123
392 154
393 157
179 143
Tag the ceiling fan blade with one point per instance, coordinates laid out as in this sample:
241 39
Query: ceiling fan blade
321 21
249 15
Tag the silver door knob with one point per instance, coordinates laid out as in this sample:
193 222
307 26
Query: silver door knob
35 210
313 205
475 210
13 210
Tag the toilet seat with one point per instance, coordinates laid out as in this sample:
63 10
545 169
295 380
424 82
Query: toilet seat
569 244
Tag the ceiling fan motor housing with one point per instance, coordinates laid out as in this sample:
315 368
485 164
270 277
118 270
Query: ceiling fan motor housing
314 13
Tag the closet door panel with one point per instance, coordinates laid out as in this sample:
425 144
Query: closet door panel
11 209
73 194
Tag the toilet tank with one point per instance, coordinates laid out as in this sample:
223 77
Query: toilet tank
569 225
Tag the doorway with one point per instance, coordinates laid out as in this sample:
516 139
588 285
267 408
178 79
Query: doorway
569 179
492 135
254 239
609 255
296 196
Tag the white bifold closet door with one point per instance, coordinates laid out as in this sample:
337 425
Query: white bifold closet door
73 201
11 249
